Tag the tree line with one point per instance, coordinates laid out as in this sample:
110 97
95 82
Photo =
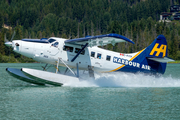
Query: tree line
135 19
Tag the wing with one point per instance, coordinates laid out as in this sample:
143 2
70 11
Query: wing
99 40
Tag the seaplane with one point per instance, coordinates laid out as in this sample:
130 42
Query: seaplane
84 54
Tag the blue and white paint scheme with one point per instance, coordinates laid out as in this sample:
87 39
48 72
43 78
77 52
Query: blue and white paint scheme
86 53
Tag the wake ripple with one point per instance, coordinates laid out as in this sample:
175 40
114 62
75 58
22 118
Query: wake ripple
121 79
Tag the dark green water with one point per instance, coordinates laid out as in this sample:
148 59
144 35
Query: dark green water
110 96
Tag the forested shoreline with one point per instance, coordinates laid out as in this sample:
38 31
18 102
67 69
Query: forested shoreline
136 19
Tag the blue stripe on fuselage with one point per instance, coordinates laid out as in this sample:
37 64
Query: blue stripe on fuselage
35 40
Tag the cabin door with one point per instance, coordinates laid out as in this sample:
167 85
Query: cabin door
96 59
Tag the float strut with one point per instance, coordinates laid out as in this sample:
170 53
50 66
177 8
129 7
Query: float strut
57 66
44 68
67 66
66 71
77 69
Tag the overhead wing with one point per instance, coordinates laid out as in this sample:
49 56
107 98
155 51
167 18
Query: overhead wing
99 40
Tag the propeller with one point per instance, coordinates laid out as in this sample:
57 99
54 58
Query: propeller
9 43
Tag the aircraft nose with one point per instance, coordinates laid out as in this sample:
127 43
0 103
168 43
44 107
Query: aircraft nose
13 43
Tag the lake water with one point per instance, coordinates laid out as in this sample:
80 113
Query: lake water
109 96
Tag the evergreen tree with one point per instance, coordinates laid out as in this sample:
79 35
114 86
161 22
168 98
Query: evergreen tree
135 19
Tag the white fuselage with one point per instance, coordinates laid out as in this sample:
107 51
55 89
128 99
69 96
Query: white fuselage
56 49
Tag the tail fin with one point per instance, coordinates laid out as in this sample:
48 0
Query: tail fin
158 48
157 54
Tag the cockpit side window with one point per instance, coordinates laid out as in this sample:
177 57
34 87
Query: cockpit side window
68 48
55 44
51 40
77 50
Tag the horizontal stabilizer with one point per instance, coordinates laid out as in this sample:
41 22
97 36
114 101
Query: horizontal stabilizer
163 60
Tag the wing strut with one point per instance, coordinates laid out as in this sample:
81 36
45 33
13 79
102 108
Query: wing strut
79 52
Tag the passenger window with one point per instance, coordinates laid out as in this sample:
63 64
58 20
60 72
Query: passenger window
68 48
99 56
92 54
108 58
77 50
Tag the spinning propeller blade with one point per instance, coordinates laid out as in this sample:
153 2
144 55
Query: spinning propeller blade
7 42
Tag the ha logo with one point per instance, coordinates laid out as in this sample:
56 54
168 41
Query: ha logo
161 49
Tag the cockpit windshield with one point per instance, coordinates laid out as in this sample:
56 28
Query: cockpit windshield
51 40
